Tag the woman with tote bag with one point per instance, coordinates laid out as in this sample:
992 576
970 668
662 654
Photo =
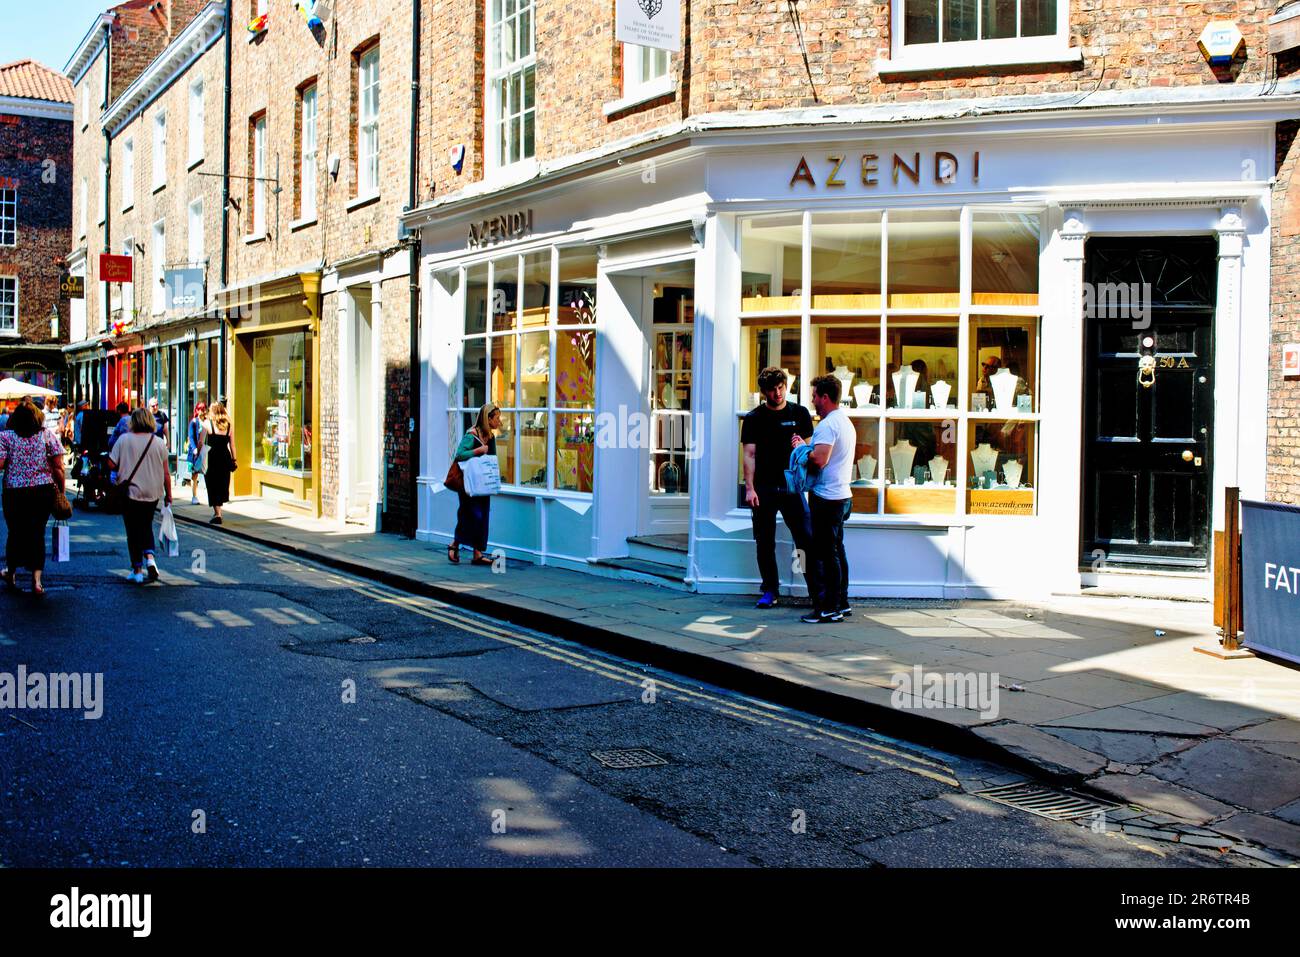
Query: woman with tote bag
472 516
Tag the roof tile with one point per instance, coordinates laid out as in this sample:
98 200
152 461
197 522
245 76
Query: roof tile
33 81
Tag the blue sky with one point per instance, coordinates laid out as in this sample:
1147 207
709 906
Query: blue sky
46 30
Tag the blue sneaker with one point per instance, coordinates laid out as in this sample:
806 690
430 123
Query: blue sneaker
768 600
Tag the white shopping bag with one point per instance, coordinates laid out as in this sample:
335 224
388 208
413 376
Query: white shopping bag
167 532
60 545
482 475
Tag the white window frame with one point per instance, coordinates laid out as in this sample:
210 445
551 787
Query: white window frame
83 202
259 174
7 330
368 123
498 71
126 290
195 131
102 192
637 90
307 171
194 221
158 255
128 173
159 150
1011 51
8 217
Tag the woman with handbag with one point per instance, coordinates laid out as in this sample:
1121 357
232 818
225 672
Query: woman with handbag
220 460
472 516
31 457
195 442
140 460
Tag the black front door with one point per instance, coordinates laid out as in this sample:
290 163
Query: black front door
1148 433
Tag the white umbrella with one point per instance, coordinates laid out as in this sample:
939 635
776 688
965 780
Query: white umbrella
13 389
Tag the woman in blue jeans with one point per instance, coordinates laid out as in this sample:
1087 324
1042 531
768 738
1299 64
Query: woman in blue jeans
472 516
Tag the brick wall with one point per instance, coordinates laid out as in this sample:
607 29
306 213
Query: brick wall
1284 394
44 219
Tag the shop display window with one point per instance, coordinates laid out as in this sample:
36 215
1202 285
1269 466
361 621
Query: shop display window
503 371
476 299
771 263
846 253
1002 468
536 290
475 373
923 362
849 349
505 294
575 369
575 451
577 293
1004 259
505 441
867 467
924 256
534 369
1004 365
920 467
670 410
532 448
282 402
769 342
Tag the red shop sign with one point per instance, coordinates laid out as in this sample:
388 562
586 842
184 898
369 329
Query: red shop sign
114 268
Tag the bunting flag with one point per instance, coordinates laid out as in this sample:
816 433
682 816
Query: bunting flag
258 24
308 10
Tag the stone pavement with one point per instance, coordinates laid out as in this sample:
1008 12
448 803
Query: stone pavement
1106 694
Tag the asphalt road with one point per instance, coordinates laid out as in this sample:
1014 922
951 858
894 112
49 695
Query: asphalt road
262 711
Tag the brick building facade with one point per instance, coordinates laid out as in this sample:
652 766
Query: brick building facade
35 220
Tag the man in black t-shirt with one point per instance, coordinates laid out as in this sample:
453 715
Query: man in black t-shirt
765 435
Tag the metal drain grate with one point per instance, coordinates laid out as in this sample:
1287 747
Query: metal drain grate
628 758
1046 802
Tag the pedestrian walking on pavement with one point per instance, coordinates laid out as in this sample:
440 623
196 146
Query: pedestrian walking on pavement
472 516
140 457
765 434
31 458
196 440
220 459
830 500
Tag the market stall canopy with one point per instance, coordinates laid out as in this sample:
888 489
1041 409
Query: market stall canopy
13 389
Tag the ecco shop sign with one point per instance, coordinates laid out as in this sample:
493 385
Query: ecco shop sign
838 170
499 229
1270 577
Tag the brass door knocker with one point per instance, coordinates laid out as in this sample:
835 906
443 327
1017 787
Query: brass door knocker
1147 371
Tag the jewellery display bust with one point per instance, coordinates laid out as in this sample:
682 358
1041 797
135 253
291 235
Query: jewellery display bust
901 454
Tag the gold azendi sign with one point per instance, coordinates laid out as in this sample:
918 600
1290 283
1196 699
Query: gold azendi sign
838 169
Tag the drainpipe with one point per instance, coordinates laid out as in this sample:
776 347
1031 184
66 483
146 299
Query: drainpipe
413 278
108 197
225 203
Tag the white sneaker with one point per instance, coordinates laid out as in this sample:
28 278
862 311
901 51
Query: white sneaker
194 500
137 577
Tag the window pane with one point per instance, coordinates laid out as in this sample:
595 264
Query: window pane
1037 18
922 362
577 292
771 262
959 20
924 259
850 350
503 371
1003 364
509 41
530 88
1004 259
282 417
535 361
496 46
475 371
525 32
537 289
575 443
575 369
999 18
768 342
530 145
505 293
846 261
920 468
532 448
865 485
476 299
1002 468
921 21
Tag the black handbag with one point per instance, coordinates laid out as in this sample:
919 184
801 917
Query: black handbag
120 493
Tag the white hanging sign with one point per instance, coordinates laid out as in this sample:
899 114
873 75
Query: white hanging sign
649 23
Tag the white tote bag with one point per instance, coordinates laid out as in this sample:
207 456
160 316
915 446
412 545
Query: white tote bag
482 475
167 532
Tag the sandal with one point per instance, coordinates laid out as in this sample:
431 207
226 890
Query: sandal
481 560
453 554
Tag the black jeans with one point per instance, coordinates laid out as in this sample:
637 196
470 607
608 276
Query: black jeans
828 550
138 519
27 511
472 521
794 510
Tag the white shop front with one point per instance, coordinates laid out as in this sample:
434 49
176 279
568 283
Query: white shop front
969 283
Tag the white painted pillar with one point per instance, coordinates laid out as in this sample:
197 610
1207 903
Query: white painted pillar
374 435
347 415
1228 352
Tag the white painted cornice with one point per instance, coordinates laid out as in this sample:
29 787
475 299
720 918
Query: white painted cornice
41 109
88 48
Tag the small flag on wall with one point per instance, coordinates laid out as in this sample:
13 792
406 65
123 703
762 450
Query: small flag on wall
308 10
258 24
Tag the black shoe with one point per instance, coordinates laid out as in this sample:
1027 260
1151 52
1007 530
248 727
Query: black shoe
821 617
846 611
214 520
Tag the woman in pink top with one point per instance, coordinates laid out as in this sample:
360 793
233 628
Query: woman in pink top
32 459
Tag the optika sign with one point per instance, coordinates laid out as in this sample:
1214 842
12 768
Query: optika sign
500 229
840 169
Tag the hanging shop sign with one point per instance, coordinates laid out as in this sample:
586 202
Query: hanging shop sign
839 170
1270 577
72 287
114 268
649 23
184 288
500 229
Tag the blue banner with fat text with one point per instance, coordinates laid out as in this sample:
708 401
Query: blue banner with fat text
1270 578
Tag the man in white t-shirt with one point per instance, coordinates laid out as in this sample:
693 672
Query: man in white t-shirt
830 501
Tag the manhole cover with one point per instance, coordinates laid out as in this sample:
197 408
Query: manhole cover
362 640
628 758
1046 802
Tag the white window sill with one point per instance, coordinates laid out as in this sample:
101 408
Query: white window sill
9 334
194 163
518 172
362 201
940 56
298 224
254 238
653 90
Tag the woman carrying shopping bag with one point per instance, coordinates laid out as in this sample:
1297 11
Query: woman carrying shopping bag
472 516
140 460
31 458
